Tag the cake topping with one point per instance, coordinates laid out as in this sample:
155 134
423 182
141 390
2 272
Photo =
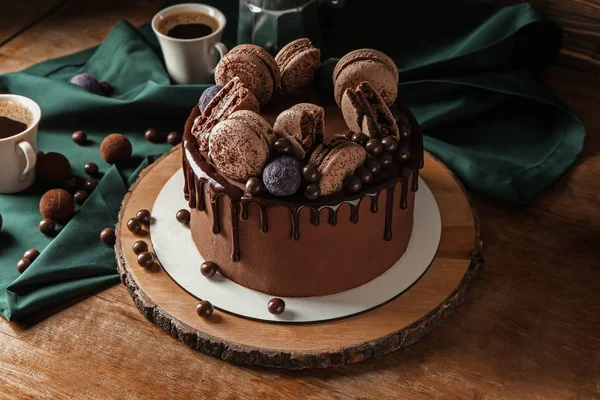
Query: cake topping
303 124
324 76
298 61
204 309
208 95
310 173
374 147
254 186
208 268
276 306
312 191
282 176
57 205
389 144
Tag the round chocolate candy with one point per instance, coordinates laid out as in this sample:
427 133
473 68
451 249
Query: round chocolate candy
312 191
91 169
389 144
70 184
31 254
403 154
364 174
0 221
79 137
386 160
204 309
349 134
23 264
283 146
208 268
183 216
144 216
405 132
80 196
145 259
360 138
374 147
47 226
108 236
115 149
105 88
276 306
311 173
152 135
353 183
373 164
134 225
254 186
174 138
90 185
139 247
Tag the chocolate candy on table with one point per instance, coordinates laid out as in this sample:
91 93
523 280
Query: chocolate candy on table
57 205
91 169
145 259
108 236
174 138
208 268
152 136
389 144
53 168
105 88
0 221
283 146
139 247
90 185
360 138
79 137
70 184
254 186
23 264
183 216
403 154
276 306
204 309
374 147
47 226
386 160
144 216
134 225
312 191
311 173
353 183
31 254
373 164
364 174
115 149
80 196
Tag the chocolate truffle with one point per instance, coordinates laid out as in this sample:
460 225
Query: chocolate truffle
403 154
204 309
312 191
134 225
115 149
311 173
53 168
254 186
208 268
208 95
70 185
389 144
108 236
80 196
31 254
91 169
23 264
183 216
57 205
283 146
282 176
145 259
144 216
47 226
353 183
373 164
79 137
374 147
86 81
360 138
386 160
364 174
139 247
174 138
152 135
276 306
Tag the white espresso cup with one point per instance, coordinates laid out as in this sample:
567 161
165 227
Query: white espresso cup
18 152
191 61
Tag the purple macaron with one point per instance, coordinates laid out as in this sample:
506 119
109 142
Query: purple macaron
86 81
282 176
208 95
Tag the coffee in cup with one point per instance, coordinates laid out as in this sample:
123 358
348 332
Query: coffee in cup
14 118
187 25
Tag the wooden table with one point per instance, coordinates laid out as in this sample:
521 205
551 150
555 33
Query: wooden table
530 327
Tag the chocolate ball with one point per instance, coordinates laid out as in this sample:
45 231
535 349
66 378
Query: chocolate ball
386 160
134 225
204 309
283 146
80 196
403 154
364 174
374 147
115 149
353 183
276 306
79 137
208 268
23 264
373 164
86 81
139 247
145 259
105 88
57 205
108 236
183 216
405 132
70 185
0 221
349 134
324 76
174 138
311 173
389 144
312 191
47 226
282 176
360 138
153 136
144 216
31 254
91 169
208 95
53 168
90 185
254 186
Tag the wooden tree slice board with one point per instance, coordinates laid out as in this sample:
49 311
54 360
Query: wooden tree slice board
396 324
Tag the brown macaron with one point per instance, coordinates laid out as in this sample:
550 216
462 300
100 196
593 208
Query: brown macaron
366 65
234 96
303 124
365 111
298 61
240 146
255 67
336 158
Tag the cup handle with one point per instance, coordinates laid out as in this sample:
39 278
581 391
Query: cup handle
30 156
222 49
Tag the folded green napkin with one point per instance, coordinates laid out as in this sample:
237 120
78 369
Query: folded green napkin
469 73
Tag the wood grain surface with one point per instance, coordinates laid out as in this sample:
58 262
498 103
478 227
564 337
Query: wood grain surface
529 329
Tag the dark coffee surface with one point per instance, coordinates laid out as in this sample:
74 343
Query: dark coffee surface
189 31
10 127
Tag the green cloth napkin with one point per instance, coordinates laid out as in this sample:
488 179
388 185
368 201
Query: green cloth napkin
469 73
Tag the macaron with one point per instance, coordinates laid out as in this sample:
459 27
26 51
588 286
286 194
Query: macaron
255 67
365 111
303 124
366 65
298 61
234 96
336 158
239 147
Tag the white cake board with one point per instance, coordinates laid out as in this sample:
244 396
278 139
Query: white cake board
181 260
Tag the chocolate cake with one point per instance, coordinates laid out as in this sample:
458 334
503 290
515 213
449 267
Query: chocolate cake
289 201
